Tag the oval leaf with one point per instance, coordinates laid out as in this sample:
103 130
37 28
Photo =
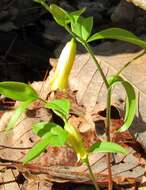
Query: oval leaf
41 128
76 14
55 136
19 110
61 107
18 91
83 27
107 147
60 15
118 34
130 101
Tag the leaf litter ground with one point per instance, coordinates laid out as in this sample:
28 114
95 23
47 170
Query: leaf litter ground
59 165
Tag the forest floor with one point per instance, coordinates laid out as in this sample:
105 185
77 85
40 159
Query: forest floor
25 52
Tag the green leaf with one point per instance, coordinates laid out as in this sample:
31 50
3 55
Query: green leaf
41 128
18 91
60 15
61 107
131 100
76 14
19 110
54 136
118 34
107 147
83 27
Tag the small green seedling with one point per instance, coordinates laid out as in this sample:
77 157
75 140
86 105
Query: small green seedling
52 134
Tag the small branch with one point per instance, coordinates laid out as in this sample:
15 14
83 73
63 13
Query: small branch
108 114
5 161
90 51
128 63
108 121
7 182
91 174
15 148
88 48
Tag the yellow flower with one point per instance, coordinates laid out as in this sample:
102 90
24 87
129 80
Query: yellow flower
64 66
75 141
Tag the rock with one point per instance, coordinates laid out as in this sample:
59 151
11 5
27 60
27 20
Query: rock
124 12
32 59
19 12
98 6
5 27
139 21
93 9
55 32
65 5
140 26
6 19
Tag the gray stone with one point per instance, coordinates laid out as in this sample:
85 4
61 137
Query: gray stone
124 12
92 9
55 32
65 5
8 26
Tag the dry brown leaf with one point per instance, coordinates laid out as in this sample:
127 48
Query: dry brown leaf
59 164
139 3
86 80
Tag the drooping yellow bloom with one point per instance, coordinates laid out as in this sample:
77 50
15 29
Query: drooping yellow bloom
64 66
75 141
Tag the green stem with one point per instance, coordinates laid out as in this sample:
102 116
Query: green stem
108 121
44 101
91 173
128 63
108 114
90 51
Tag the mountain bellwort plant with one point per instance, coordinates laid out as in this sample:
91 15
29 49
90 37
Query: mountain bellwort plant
51 133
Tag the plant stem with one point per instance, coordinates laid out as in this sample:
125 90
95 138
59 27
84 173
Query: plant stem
108 121
108 113
128 63
89 49
86 161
